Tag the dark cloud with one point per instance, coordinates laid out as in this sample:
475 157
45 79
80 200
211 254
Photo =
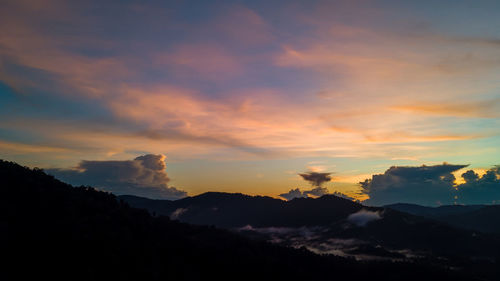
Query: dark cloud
470 176
425 185
432 185
480 190
316 179
144 176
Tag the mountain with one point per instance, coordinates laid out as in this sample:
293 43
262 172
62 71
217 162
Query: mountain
51 230
483 218
316 222
238 210
434 212
486 219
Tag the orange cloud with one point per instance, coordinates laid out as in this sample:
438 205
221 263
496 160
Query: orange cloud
24 46
403 137
15 147
483 109
350 119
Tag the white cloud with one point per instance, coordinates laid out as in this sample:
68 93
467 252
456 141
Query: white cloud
363 217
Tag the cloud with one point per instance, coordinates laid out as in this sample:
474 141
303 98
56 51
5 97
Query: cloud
155 80
190 117
483 109
316 179
318 191
272 229
425 185
342 195
144 176
211 62
402 137
293 193
477 189
363 217
177 213
242 26
315 192
432 185
28 148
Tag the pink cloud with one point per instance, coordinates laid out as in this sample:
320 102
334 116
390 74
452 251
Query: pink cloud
243 26
210 61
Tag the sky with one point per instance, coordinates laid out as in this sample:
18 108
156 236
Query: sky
243 96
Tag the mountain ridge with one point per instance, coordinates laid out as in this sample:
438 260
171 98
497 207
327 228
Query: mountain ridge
54 230
259 211
326 218
483 218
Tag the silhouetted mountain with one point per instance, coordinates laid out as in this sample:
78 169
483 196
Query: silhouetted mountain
486 219
325 218
483 218
237 210
434 212
52 230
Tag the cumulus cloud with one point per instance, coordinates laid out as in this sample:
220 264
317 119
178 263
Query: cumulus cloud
143 176
425 185
293 193
315 192
297 193
315 178
363 217
483 189
342 195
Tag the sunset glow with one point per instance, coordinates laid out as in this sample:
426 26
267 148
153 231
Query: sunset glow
242 96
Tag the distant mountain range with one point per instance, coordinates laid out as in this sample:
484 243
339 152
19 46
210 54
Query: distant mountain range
330 218
483 218
51 230
238 210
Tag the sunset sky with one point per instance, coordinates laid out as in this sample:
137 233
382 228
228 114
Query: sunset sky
241 96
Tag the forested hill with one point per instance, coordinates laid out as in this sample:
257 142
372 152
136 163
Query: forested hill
52 230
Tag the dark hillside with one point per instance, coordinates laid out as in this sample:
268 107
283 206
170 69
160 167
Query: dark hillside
237 210
52 230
